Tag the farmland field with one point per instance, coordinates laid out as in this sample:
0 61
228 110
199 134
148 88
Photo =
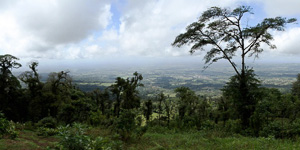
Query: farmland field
167 77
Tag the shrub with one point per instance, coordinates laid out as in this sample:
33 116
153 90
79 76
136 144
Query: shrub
74 138
101 143
7 127
127 126
277 129
233 126
97 118
208 125
295 128
47 122
47 131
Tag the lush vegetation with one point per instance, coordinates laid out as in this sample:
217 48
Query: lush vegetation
245 116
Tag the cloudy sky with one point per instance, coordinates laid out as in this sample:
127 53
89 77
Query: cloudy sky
122 30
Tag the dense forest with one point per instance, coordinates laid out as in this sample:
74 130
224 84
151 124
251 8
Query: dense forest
59 108
45 106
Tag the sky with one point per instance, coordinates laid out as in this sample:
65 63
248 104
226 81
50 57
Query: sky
58 32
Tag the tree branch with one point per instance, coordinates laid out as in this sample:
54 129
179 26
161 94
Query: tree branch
220 48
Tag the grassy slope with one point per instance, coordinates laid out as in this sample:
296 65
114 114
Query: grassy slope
28 140
198 141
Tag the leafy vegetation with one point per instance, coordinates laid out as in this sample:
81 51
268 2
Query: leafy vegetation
246 115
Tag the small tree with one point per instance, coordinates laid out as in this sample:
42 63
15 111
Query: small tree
148 109
223 30
116 90
161 98
187 101
126 93
168 108
130 94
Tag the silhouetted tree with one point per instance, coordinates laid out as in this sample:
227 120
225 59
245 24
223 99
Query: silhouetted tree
34 88
161 98
32 80
116 90
148 109
168 109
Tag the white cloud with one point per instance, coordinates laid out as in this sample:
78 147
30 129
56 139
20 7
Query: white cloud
281 7
28 27
149 27
288 43
65 29
62 21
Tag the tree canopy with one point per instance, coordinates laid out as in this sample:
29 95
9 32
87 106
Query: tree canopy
223 30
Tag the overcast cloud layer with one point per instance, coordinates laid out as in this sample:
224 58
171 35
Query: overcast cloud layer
91 29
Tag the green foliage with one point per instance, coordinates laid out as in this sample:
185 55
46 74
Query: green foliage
44 131
11 99
147 109
126 92
187 101
74 138
296 87
80 110
233 126
243 100
245 108
97 118
101 143
127 126
282 128
7 127
222 29
47 122
277 129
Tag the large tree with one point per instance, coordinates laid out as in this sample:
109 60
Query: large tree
227 33
10 93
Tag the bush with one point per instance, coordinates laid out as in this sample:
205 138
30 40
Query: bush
295 128
47 122
29 125
208 125
127 126
158 129
7 127
277 129
74 138
101 143
233 126
97 118
46 131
